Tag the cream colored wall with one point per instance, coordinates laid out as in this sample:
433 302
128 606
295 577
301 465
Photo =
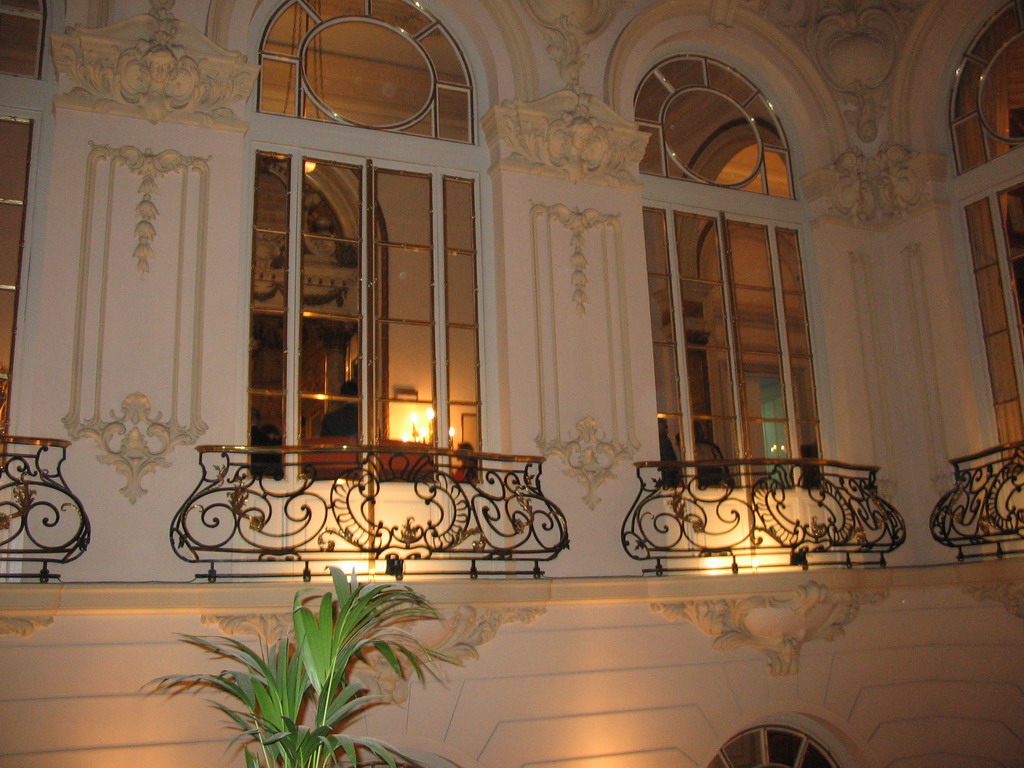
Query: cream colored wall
926 676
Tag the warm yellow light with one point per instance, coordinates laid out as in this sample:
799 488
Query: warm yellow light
451 431
415 419
406 437
309 166
430 414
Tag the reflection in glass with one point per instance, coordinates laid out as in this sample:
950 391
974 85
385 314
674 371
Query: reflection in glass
21 37
772 747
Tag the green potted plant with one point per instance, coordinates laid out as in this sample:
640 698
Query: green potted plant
293 697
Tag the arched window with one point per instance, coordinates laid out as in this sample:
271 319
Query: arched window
987 120
364 321
772 746
22 24
987 106
733 364
385 64
710 124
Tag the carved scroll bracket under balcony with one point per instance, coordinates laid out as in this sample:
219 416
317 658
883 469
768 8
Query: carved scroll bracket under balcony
982 515
777 625
458 634
24 626
566 135
759 513
155 67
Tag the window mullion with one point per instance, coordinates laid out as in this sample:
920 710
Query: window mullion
1014 314
782 332
440 310
293 317
371 312
678 318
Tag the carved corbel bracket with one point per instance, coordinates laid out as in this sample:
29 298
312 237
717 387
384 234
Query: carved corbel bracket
457 635
776 626
566 135
892 184
155 67
1010 595
24 626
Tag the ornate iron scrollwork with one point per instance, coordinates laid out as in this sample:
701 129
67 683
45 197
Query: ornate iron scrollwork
41 521
759 513
983 513
389 503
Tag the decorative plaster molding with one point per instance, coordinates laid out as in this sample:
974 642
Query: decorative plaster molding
153 67
134 442
578 223
457 635
566 135
23 625
568 26
891 184
854 44
1010 595
589 459
777 626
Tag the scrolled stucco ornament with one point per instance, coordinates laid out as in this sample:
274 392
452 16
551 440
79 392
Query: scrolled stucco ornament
152 66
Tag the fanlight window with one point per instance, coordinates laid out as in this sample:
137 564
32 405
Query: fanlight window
987 106
383 64
772 747
710 124
21 37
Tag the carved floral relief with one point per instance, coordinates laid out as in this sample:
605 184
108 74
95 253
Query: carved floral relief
588 457
23 626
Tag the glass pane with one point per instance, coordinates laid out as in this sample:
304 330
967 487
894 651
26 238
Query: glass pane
970 149
683 72
661 309
331 199
783 746
767 126
332 9
11 217
803 389
762 376
777 167
655 241
407 361
287 32
796 325
19 44
704 314
1008 420
271 209
990 299
697 247
729 82
979 228
267 346
995 36
807 432
710 382
669 438
666 378
714 439
15 138
789 260
464 427
649 99
461 288
750 259
266 419
755 320
453 115
967 89
329 356
277 87
8 303
815 758
706 133
653 160
459 220
745 750
400 14
446 59
1000 364
407 290
1011 203
367 73
403 209
269 271
1002 92
462 365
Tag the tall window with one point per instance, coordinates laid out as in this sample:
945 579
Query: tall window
732 355
384 64
21 37
987 106
364 323
710 124
728 318
15 146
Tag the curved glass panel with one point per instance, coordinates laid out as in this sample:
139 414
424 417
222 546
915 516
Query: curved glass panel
710 124
987 105
772 747
387 65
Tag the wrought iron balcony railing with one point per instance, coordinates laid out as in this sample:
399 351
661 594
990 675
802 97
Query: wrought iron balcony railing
41 521
758 513
983 513
367 507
